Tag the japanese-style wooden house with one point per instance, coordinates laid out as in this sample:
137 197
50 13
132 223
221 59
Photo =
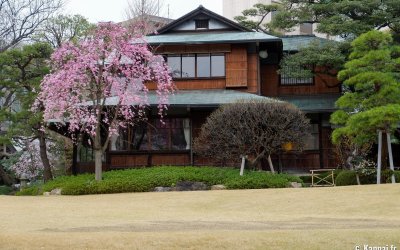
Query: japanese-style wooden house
215 61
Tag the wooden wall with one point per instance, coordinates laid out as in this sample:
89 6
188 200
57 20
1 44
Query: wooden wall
240 67
236 67
195 84
270 84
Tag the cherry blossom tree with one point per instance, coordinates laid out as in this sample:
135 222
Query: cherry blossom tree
30 163
99 85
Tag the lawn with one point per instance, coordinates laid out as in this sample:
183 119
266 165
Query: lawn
305 218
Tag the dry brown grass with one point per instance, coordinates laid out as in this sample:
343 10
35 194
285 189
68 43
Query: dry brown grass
309 218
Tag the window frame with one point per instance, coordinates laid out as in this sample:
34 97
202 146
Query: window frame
148 139
297 81
197 23
180 78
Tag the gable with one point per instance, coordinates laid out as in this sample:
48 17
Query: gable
190 24
201 19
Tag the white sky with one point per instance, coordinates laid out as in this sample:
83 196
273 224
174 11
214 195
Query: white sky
106 10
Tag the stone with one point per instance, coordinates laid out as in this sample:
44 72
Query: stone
56 191
295 185
163 189
190 186
46 193
218 187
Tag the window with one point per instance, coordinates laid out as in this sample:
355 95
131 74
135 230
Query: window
201 24
300 77
188 65
197 65
312 142
203 65
174 63
217 65
169 134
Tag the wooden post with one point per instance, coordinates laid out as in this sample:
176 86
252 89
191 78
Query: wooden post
378 171
390 157
242 165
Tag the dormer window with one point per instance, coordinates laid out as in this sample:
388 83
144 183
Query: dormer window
201 24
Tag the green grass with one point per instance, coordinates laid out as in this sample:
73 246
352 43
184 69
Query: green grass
146 179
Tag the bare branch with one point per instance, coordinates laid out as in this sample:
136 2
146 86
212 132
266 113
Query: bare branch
19 19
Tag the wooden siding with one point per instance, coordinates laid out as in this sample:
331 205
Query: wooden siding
194 84
240 68
236 67
252 73
270 84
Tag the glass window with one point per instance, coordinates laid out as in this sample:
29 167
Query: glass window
312 142
217 65
174 63
197 65
296 76
188 65
169 134
160 135
203 65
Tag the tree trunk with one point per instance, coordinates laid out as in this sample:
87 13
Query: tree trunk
270 164
47 175
255 162
98 152
385 153
98 164
358 179
7 180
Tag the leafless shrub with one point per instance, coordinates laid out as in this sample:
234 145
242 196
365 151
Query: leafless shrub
256 128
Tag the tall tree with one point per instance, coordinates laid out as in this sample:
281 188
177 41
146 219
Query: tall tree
345 19
22 70
145 15
371 80
64 28
19 19
99 84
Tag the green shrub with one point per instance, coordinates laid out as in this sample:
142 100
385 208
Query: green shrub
35 190
146 179
348 177
387 175
5 190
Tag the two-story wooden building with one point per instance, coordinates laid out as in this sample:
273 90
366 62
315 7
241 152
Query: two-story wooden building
215 61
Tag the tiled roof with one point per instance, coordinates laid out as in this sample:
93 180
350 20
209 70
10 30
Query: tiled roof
211 37
200 98
294 43
314 103
217 97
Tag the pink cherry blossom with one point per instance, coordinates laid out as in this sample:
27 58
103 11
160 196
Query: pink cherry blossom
111 63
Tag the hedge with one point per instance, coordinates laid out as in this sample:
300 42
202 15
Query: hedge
146 179
348 177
